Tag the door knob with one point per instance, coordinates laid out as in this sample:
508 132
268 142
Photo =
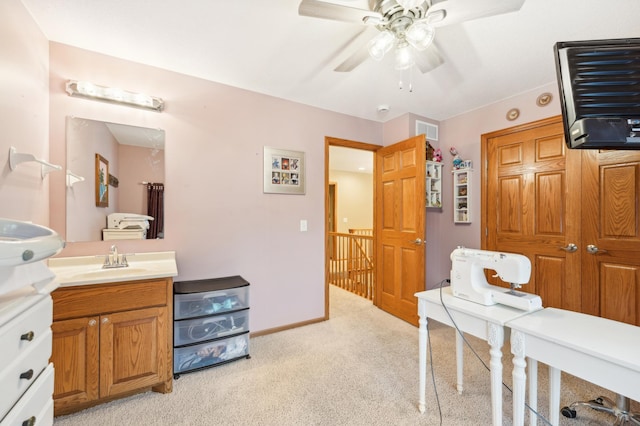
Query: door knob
569 248
594 250
418 241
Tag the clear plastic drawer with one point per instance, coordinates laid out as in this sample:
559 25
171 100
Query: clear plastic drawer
191 305
190 331
206 354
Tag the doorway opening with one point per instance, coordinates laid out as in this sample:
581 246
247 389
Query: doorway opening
349 217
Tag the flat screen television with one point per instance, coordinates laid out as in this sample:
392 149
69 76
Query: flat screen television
599 82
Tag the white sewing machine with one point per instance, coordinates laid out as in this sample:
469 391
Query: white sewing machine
126 226
469 282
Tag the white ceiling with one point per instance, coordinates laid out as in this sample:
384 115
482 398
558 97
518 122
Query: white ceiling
350 160
264 46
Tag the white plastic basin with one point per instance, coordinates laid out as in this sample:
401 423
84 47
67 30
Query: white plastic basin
23 242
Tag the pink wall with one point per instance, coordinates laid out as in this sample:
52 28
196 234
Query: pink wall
218 220
88 138
138 164
24 114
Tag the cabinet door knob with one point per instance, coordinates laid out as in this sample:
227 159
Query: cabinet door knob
28 336
92 323
27 374
31 421
105 320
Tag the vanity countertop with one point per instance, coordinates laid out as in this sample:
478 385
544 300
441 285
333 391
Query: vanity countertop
84 270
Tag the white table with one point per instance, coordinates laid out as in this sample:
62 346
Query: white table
484 322
598 350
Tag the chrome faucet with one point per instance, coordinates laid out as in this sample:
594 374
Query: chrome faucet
114 260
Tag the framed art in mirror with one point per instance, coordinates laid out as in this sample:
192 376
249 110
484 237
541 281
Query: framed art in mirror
283 171
102 181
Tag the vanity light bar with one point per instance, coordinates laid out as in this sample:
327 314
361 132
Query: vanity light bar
84 89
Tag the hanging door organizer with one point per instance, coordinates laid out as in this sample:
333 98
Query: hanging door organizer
211 323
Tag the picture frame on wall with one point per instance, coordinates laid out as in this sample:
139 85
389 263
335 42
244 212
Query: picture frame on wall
284 171
102 181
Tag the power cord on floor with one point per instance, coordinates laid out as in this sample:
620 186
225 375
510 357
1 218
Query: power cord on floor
440 285
433 376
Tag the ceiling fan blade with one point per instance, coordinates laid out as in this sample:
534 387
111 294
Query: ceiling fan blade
335 12
429 59
358 57
457 11
361 52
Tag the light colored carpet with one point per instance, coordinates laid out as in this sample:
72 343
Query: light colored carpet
358 368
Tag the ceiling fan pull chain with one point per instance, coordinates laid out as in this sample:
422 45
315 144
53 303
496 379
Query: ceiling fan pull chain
411 80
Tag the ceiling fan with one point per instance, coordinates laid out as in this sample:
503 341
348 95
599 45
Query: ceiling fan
407 25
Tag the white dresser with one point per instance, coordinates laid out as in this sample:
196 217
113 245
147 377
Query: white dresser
26 376
26 314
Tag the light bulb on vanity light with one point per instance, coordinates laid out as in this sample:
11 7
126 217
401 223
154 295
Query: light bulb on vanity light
87 90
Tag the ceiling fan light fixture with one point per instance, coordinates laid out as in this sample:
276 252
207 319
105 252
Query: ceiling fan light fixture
404 57
380 45
420 35
409 4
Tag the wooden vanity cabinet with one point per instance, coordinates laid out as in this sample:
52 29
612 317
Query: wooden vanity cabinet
111 340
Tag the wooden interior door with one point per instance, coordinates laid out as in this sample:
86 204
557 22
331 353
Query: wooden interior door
400 227
611 234
531 206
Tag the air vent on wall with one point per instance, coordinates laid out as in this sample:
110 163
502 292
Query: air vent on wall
430 130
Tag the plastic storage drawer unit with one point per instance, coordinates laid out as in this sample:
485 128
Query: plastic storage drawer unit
210 297
188 331
210 353
211 323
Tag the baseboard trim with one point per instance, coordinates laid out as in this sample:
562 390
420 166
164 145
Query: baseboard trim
287 327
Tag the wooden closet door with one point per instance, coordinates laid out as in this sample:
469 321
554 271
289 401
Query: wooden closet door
611 234
531 206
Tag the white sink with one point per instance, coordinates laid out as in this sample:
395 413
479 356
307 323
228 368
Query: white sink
83 270
24 242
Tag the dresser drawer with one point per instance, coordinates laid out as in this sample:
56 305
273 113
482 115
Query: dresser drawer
29 365
209 353
83 301
25 330
190 331
192 305
36 405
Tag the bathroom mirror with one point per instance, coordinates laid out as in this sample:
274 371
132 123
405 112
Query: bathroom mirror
113 168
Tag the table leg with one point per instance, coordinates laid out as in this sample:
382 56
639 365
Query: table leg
459 361
496 340
533 390
554 395
422 355
519 376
